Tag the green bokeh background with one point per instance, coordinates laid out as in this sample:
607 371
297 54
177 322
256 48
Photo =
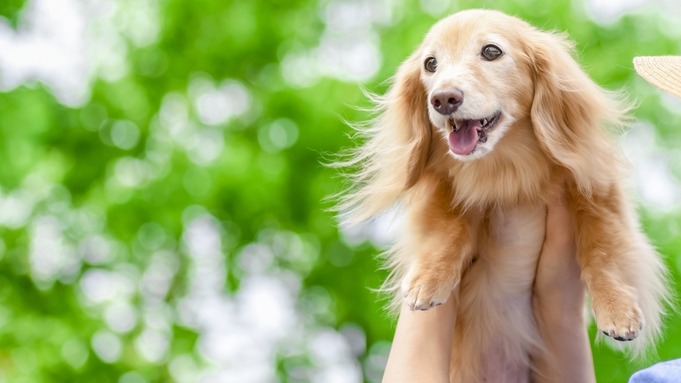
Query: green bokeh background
122 172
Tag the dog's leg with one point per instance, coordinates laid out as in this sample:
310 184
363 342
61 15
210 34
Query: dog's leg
606 244
437 244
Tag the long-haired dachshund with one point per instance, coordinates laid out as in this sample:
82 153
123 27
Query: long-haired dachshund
486 121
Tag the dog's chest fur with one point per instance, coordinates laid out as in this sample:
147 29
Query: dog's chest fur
517 172
495 310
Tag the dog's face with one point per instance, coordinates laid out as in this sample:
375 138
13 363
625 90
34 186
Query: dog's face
486 82
476 81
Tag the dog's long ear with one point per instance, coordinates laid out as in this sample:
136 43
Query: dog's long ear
405 118
570 113
396 147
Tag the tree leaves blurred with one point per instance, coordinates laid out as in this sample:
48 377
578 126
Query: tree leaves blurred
171 222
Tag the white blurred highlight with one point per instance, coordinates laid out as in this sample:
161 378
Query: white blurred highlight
107 346
656 185
349 47
242 334
67 44
51 258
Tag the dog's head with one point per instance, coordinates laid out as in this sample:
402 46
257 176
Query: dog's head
485 87
479 74
477 84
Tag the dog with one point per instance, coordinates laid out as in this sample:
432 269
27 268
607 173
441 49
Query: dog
485 122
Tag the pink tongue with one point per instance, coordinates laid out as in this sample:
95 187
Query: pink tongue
464 140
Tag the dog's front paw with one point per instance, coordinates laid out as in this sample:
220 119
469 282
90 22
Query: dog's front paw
622 323
424 289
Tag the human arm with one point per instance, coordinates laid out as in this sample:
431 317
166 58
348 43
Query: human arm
421 348
558 301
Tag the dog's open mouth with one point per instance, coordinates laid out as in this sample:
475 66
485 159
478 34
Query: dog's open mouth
466 134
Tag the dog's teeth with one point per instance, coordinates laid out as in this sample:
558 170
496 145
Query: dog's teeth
484 122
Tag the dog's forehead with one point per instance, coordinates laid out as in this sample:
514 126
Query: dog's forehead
479 19
466 30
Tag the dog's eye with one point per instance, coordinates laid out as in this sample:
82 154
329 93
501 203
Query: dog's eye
491 52
430 64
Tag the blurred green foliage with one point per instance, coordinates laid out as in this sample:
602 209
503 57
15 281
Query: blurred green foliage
132 166
9 9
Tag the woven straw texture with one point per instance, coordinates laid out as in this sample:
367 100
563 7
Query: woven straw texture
662 71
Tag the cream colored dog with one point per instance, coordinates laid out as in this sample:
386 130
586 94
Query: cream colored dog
487 120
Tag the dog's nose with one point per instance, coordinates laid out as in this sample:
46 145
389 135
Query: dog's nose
447 101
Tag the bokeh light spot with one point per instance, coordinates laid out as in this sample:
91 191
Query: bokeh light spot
125 134
107 346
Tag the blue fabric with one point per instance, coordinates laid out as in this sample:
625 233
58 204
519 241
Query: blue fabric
665 372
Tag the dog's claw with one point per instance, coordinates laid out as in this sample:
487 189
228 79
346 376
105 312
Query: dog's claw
627 328
623 339
628 337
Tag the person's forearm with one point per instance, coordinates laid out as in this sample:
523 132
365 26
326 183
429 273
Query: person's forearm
558 303
565 335
421 349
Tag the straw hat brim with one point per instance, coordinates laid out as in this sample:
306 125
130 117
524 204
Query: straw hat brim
662 71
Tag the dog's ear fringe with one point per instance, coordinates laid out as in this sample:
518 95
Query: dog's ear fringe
573 116
394 150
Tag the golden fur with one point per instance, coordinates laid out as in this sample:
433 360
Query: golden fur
475 223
